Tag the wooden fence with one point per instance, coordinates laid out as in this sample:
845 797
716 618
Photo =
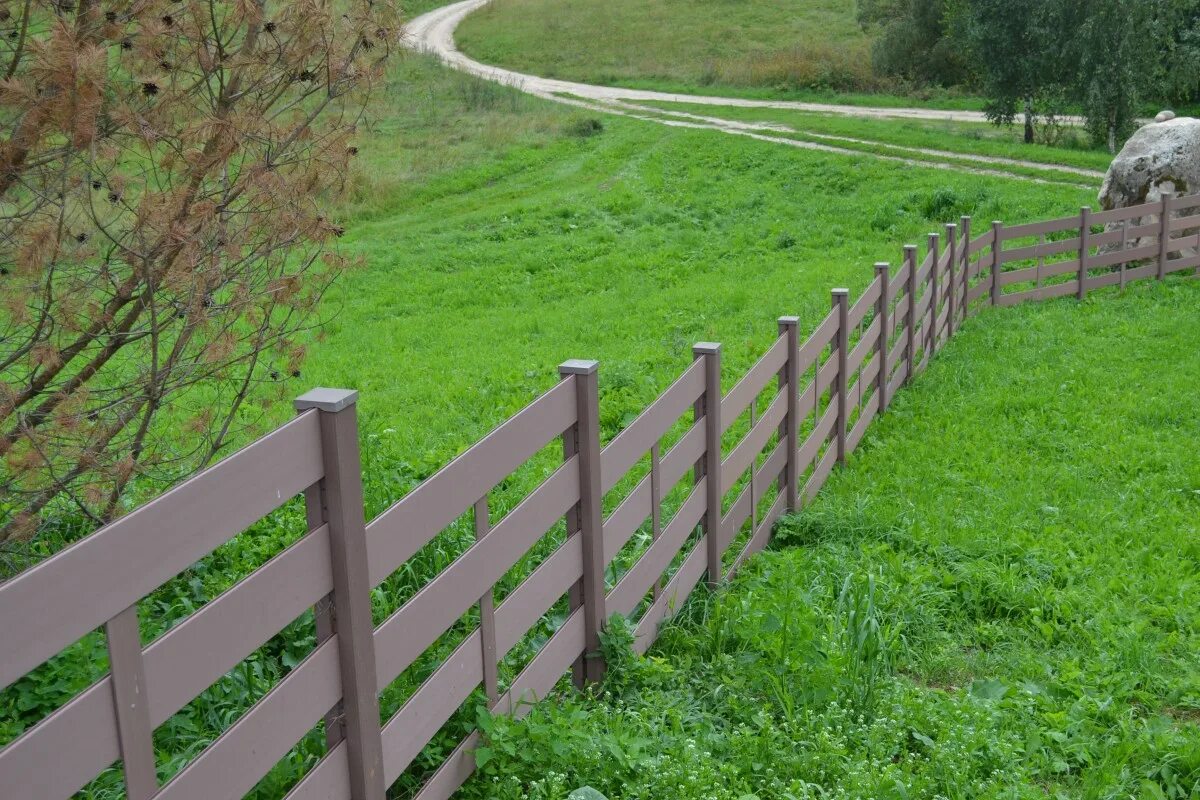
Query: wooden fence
817 396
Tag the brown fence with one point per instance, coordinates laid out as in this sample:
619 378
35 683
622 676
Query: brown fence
805 405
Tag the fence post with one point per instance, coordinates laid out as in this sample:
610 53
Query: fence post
910 258
127 674
790 327
997 259
1085 217
589 511
342 510
935 250
964 246
1164 235
711 353
487 613
841 301
883 310
952 269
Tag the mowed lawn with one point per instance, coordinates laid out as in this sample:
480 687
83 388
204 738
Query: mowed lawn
996 598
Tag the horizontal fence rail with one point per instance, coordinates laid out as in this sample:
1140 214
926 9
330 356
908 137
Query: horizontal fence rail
795 415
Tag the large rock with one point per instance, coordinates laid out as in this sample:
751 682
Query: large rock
1161 158
585 793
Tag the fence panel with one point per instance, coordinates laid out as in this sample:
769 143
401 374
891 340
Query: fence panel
837 381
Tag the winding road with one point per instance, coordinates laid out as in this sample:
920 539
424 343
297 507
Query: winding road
433 32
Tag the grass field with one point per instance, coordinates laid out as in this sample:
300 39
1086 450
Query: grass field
793 47
955 137
995 599
502 236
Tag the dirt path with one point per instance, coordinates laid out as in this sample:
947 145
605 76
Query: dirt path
433 32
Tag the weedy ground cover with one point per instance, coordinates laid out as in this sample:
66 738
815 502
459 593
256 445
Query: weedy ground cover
995 599
502 236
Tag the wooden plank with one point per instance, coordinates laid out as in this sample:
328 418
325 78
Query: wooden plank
1123 256
897 286
1119 235
487 613
1184 223
189 657
399 532
535 682
674 595
820 475
812 348
1044 293
57 757
981 242
759 539
1186 202
650 426
427 615
869 412
237 760
819 436
1028 274
635 583
742 507
80 738
925 268
743 455
867 344
981 289
865 303
898 378
1115 278
134 731
1038 228
1191 262
1122 214
755 381
1042 250
122 562
636 507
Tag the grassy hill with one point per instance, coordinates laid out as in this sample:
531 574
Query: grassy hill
748 45
503 235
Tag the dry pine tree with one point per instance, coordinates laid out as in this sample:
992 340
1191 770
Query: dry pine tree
164 167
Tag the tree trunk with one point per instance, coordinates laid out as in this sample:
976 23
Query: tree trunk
1028 120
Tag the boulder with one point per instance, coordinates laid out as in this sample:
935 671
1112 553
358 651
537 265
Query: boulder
585 793
1162 158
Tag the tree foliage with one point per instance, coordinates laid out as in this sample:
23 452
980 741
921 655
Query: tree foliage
1033 58
914 41
163 171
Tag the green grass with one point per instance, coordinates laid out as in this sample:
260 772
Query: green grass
994 599
957 137
502 236
808 47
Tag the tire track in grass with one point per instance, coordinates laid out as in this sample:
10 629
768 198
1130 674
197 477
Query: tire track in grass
433 33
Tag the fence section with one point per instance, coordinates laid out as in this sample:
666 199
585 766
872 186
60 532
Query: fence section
746 457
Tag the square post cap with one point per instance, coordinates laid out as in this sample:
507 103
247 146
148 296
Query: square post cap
705 348
328 400
789 322
840 292
578 366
